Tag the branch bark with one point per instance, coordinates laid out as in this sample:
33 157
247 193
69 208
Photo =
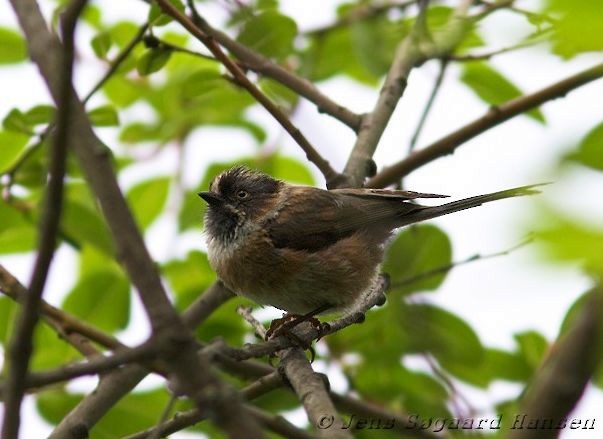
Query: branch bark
560 382
411 52
21 344
174 341
496 115
312 154
264 66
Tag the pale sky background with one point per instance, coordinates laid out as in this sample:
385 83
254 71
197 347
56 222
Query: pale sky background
498 297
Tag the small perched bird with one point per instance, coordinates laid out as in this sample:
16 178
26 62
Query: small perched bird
304 249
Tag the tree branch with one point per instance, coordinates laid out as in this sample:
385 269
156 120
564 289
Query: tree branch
313 156
410 53
264 66
561 380
434 91
118 383
69 327
93 366
21 345
495 115
174 341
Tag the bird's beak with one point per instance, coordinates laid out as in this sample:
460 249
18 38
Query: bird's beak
211 198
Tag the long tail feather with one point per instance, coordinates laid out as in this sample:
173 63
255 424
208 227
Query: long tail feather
426 213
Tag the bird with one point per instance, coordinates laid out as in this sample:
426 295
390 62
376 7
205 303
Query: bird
307 250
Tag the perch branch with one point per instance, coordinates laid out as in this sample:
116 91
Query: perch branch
21 344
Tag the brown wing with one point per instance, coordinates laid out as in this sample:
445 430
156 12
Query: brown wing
386 193
314 218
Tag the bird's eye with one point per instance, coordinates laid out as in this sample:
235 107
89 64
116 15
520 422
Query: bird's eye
242 194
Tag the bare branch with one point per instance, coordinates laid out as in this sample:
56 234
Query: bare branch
264 66
561 380
428 105
119 59
313 156
307 332
410 53
93 366
495 115
174 341
21 345
119 383
66 325
446 268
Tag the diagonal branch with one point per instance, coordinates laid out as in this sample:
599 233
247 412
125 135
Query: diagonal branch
408 55
119 383
21 344
562 379
313 156
496 115
73 330
264 66
174 341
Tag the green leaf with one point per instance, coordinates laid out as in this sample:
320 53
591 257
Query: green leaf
414 255
153 60
105 116
15 121
12 47
8 312
375 42
122 91
578 27
40 115
51 351
101 295
329 55
84 225
133 413
189 277
270 33
138 132
158 18
12 145
24 123
101 44
492 87
590 150
449 338
92 16
147 200
533 347
281 95
563 239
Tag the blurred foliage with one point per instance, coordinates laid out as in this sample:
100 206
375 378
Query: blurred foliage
168 89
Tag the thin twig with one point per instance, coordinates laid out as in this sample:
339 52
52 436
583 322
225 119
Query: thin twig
428 105
495 115
361 12
446 268
93 366
264 66
175 343
119 383
313 156
73 330
21 345
493 53
119 59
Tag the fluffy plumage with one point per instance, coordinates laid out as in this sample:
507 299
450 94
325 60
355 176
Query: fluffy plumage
299 248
